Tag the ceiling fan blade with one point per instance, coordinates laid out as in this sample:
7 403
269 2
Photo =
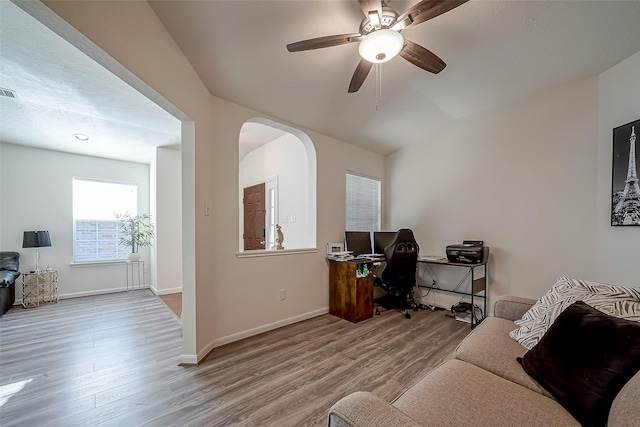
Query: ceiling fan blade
421 57
369 6
360 75
321 42
425 10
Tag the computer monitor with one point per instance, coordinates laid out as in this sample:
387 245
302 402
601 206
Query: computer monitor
381 240
359 242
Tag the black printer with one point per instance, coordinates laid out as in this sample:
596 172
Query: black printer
468 252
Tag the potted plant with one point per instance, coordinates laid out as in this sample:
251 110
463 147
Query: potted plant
136 231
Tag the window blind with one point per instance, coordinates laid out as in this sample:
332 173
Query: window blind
362 204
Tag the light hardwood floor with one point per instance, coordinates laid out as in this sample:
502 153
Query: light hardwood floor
112 360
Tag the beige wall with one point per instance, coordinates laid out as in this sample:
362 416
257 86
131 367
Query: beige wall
166 207
37 194
232 297
533 180
522 178
618 104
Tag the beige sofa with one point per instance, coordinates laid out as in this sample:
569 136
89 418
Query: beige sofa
483 385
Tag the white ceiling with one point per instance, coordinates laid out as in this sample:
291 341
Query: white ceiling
496 51
253 135
61 91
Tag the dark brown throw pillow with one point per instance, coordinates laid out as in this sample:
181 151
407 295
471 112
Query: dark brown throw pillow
584 360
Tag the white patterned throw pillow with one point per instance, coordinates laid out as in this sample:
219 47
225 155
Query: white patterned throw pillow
619 301
557 292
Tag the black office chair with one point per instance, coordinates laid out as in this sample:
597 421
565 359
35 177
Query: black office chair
399 275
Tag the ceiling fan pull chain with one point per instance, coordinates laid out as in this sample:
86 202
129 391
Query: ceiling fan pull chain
378 85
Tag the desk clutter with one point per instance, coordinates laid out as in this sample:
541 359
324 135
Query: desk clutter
465 312
349 256
390 260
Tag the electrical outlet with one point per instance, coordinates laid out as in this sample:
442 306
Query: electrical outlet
283 294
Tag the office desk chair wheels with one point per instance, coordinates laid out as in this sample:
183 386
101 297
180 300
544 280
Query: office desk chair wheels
413 306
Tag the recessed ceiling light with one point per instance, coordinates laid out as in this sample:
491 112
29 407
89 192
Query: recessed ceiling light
81 137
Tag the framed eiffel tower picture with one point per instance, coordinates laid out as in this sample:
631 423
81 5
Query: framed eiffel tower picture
625 189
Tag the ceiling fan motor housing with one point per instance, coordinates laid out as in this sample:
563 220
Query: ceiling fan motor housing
389 17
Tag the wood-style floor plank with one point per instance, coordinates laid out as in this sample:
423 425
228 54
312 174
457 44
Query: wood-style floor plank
113 360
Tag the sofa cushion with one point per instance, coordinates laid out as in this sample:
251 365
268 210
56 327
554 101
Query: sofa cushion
585 359
363 409
9 261
615 300
625 410
479 348
459 393
512 307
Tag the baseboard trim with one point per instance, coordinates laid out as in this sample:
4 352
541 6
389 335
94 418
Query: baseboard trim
92 293
188 360
166 291
255 331
102 292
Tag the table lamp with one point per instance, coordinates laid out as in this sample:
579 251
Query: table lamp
36 239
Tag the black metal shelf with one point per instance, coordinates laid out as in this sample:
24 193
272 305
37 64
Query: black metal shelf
481 283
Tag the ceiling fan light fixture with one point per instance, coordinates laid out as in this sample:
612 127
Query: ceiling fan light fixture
381 45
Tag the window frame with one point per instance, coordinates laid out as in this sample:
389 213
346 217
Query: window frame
310 243
120 251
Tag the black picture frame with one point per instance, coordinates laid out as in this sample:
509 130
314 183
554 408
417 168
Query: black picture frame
625 187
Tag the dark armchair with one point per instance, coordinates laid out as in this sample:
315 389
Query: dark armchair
399 275
9 266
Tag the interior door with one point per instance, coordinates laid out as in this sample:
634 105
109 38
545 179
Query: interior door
254 217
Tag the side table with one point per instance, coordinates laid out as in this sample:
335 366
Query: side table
350 289
135 273
40 287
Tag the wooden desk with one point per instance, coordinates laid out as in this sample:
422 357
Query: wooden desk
351 296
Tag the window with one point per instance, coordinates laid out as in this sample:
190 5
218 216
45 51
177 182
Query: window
362 204
95 229
284 159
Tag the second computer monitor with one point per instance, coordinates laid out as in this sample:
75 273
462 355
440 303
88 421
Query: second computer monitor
358 242
381 240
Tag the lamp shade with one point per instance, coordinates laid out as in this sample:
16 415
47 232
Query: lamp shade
381 45
36 239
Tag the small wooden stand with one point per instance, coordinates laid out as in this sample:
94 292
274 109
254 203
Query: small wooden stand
350 296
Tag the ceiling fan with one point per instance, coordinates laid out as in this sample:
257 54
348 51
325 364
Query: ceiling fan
380 38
